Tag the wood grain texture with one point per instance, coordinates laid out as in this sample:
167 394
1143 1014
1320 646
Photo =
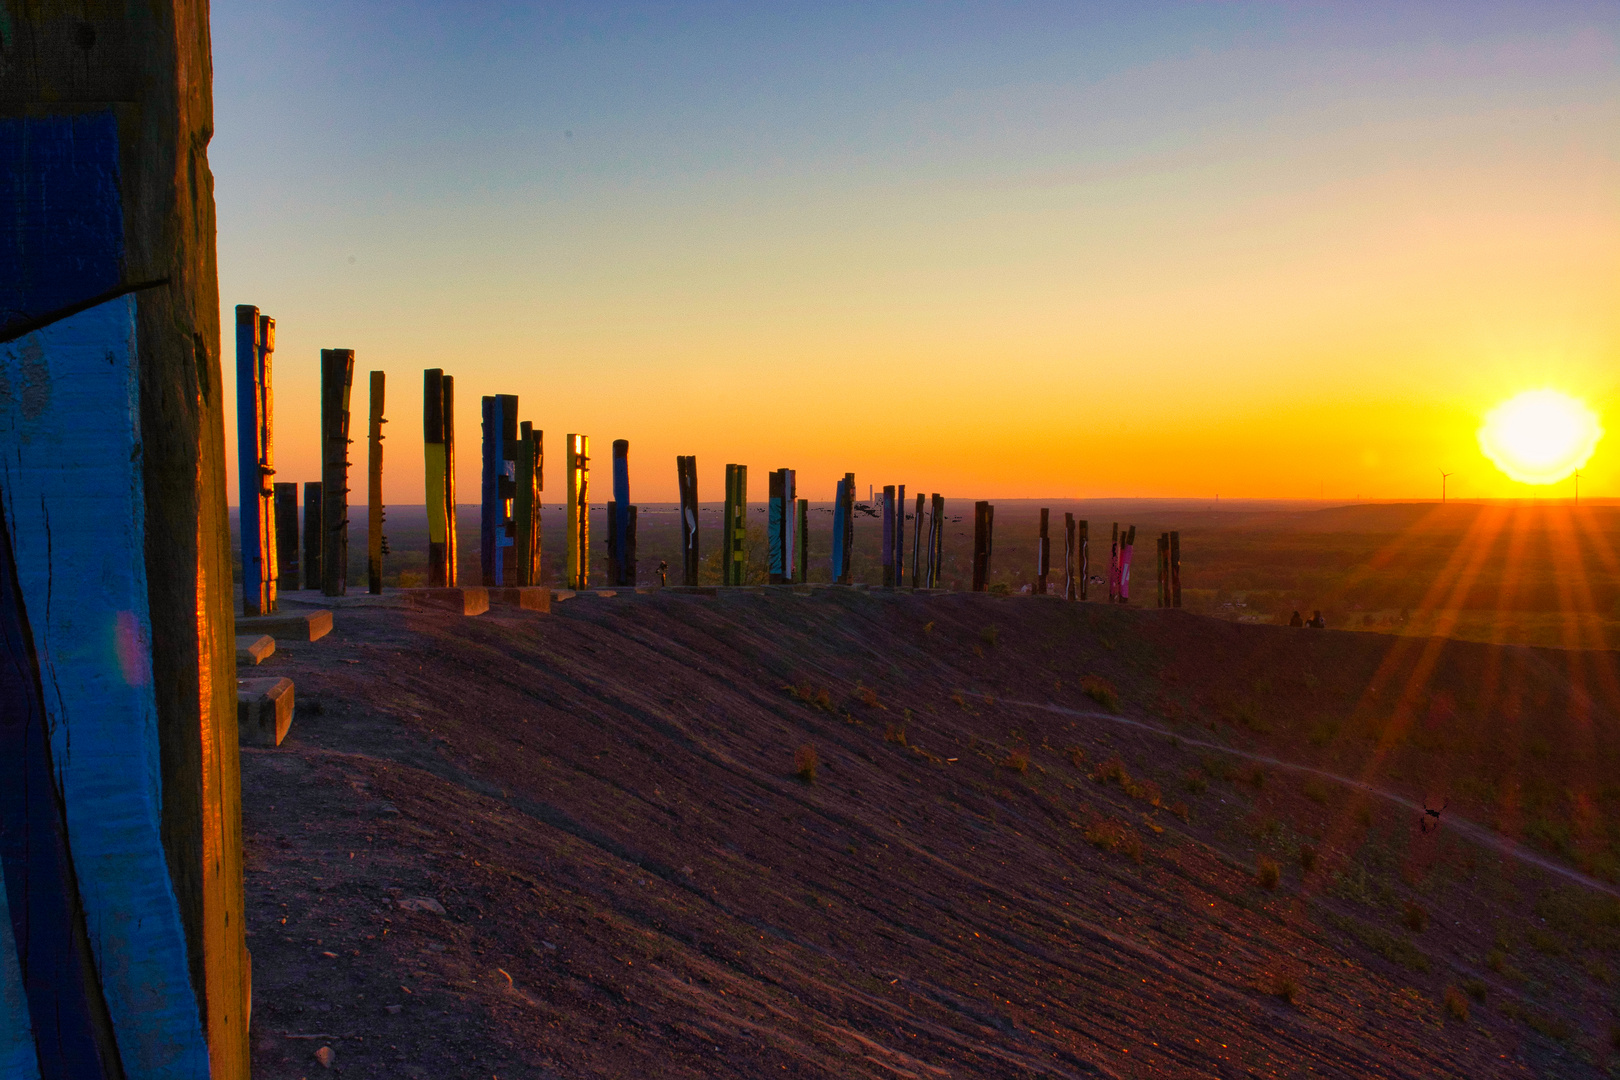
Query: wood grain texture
374 490
337 381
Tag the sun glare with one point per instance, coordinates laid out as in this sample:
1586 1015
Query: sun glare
1540 436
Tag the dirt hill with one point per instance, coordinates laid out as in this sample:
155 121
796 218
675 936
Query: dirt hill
1031 838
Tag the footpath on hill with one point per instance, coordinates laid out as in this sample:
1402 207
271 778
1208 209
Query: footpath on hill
865 834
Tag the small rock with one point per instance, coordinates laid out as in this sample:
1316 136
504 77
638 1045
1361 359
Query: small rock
326 1056
388 808
549 945
421 903
330 955
392 1010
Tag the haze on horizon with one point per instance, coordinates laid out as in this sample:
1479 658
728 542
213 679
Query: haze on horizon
1035 250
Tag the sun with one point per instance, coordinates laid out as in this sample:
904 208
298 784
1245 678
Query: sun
1540 436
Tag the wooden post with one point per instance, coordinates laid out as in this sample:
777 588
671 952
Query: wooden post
1175 569
1082 552
802 548
577 529
981 546
255 342
1043 553
529 461
846 536
122 859
782 526
497 534
434 465
313 506
287 570
936 550
337 377
1113 565
621 520
376 543
890 529
734 567
838 533
452 531
916 543
899 556
686 478
1127 547
1069 590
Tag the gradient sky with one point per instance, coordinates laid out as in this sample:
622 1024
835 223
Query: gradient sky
1266 250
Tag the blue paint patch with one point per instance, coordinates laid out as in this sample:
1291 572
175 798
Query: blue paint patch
71 480
63 241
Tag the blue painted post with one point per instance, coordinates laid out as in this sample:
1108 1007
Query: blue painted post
621 519
886 551
780 527
488 555
846 536
256 517
496 533
839 513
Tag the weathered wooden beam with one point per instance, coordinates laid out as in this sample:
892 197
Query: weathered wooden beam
802 547
890 530
313 506
686 479
899 556
1069 590
337 378
1043 553
779 527
916 543
936 549
1113 565
577 528
734 558
1175 568
1127 547
1082 552
109 294
452 533
621 520
287 568
376 543
256 520
983 523
529 464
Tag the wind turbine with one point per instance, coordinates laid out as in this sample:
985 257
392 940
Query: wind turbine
1443 475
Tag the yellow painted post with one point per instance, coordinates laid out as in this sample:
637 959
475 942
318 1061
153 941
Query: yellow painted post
578 534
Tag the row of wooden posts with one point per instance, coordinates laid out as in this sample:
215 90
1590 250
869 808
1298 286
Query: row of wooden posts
510 500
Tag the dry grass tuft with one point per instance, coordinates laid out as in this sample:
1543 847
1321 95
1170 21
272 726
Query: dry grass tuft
1114 837
867 695
1077 756
1101 691
805 763
1017 760
807 693
895 733
1456 1004
958 699
1180 810
1268 873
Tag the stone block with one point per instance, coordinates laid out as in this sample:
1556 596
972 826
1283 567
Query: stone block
463 600
253 649
288 626
264 711
529 598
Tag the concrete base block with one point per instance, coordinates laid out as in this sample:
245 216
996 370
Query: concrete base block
293 626
527 597
558 595
252 649
462 600
264 711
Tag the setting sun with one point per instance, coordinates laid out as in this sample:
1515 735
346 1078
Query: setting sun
1540 436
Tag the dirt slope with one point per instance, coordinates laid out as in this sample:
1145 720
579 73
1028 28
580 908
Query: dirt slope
635 883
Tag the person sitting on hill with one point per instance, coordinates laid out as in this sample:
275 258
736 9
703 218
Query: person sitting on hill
1317 622
1296 620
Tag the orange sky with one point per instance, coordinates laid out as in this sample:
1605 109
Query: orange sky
1290 258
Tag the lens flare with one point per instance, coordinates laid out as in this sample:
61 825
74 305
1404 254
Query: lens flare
1540 436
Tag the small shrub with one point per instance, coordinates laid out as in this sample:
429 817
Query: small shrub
1257 777
1543 942
1456 1004
1101 691
1316 791
1000 588
1284 985
895 733
1180 810
1307 858
1268 873
1554 1027
1114 837
1077 756
1475 988
990 635
867 695
959 700
1415 916
1111 770
1194 782
1017 760
805 763
928 627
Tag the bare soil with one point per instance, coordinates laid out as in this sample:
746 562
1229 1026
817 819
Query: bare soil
636 881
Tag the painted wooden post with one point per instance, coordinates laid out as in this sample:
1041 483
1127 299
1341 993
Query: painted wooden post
577 528
122 948
452 530
1126 548
890 529
686 479
1175 569
529 458
982 512
1069 592
313 506
1083 554
287 569
916 542
899 556
621 520
1113 565
936 558
337 377
433 463
256 521
497 534
802 548
846 535
1043 553
734 554
782 527
376 542
838 533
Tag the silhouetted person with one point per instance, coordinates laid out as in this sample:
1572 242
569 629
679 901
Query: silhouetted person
1317 622
1297 620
